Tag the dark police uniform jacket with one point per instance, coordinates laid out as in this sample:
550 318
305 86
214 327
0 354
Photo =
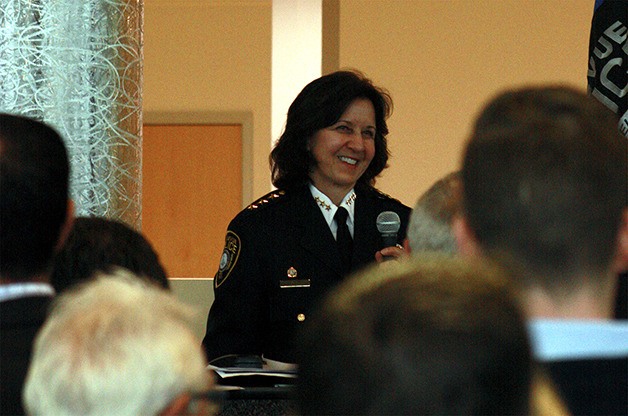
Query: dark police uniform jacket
280 257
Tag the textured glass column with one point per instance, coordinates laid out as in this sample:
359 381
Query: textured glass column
77 65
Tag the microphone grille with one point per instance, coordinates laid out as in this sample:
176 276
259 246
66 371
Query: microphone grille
388 222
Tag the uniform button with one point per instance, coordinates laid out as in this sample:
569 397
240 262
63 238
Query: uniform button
301 317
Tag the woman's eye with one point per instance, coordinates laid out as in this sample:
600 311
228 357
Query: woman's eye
343 128
369 133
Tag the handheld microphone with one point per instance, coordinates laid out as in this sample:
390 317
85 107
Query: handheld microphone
388 224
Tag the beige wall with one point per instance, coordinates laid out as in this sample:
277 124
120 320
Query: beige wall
199 294
211 56
440 59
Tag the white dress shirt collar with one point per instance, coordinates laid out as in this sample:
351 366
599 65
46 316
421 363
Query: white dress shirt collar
18 290
328 208
562 339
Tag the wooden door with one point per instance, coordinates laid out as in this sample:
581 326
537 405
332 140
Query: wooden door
191 189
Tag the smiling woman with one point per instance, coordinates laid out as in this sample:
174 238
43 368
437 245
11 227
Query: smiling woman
282 253
343 151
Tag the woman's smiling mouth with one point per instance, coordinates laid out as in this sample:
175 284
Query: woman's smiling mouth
348 160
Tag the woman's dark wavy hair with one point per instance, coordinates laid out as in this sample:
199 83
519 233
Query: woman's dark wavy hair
320 104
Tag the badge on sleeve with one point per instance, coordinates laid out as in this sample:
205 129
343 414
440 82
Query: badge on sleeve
228 259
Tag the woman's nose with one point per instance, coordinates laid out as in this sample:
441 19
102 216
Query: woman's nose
357 141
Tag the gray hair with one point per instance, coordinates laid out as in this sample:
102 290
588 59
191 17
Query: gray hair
430 223
114 346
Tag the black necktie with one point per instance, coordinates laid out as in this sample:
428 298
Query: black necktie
343 239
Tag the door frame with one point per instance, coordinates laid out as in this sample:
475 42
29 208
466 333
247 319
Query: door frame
243 118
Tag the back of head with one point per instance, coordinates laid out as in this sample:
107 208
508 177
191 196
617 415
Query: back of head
115 345
34 175
545 184
101 244
435 336
320 104
430 226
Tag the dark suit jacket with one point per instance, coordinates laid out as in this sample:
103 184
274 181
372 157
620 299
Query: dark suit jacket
20 319
621 300
280 257
592 386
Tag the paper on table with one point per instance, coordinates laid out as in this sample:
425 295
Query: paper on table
269 368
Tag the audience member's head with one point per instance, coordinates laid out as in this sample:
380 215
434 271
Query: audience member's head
99 245
544 191
115 345
34 202
434 335
430 227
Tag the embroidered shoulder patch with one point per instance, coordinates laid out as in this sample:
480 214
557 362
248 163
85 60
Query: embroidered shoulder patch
229 257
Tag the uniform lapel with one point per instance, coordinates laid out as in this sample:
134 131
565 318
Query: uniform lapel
317 238
366 239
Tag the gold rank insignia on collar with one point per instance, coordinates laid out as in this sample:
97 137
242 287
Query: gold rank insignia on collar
322 203
351 199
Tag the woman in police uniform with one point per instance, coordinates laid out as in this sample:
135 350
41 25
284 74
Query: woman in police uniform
280 252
